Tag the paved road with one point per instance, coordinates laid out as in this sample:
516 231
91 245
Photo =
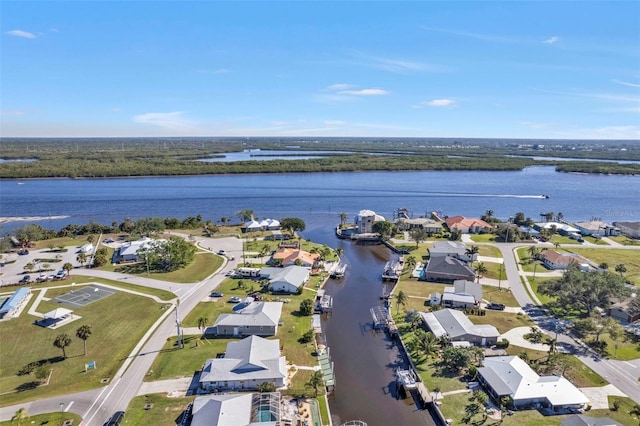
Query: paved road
96 406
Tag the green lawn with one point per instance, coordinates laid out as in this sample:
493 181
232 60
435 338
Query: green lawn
163 411
53 419
596 241
504 296
119 321
495 271
484 238
203 265
623 239
503 321
173 362
613 257
490 251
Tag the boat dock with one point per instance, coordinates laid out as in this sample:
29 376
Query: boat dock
393 269
324 302
337 270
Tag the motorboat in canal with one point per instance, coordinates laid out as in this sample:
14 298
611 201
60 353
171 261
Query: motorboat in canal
406 379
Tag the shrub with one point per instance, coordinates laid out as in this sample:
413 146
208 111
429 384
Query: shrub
502 344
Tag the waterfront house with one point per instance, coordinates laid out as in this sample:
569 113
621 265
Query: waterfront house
468 225
630 229
287 256
286 280
582 420
456 325
263 225
430 226
510 376
556 260
597 228
626 311
447 269
452 248
246 364
239 409
561 228
256 318
364 221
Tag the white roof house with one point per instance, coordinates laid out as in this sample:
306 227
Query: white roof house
241 409
560 227
456 325
511 376
129 251
288 279
265 224
86 248
365 219
246 364
257 318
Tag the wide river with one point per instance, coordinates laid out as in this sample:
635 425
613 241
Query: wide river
364 361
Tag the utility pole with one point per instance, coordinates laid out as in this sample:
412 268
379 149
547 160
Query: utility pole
180 344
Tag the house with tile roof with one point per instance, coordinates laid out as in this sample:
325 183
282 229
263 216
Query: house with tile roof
246 364
257 318
510 376
294 256
447 269
456 325
468 225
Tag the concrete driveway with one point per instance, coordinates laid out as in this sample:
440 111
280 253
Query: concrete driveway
515 336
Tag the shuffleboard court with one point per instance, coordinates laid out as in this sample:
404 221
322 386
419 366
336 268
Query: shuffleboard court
82 296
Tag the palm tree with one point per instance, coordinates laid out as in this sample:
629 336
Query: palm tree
552 348
20 415
315 381
401 299
83 334
471 252
343 219
480 269
410 262
82 258
533 252
488 215
621 269
62 341
68 267
557 245
428 343
202 323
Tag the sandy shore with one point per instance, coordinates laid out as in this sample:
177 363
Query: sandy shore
29 218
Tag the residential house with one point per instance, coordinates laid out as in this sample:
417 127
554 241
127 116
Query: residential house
597 228
129 251
246 364
364 221
626 311
15 302
286 280
582 420
561 228
86 248
287 256
263 225
512 377
430 226
468 225
463 294
257 319
456 325
452 248
556 260
447 269
630 229
239 409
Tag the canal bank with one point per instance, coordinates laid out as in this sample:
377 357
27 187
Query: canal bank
365 360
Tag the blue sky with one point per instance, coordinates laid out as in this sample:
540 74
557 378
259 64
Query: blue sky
536 69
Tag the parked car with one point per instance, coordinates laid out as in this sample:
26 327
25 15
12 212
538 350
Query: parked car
25 279
220 252
108 240
235 299
496 306
23 252
61 274
217 294
41 278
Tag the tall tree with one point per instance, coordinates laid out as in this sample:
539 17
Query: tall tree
68 267
62 341
20 416
401 299
245 214
471 252
292 224
418 235
82 258
202 323
480 269
83 333
315 381
343 219
384 228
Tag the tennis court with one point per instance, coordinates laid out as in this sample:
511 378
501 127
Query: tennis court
84 295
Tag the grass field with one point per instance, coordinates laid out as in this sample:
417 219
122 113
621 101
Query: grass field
52 419
503 321
163 411
624 240
118 322
613 257
203 265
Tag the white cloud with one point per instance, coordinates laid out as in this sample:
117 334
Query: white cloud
441 102
364 92
341 86
552 40
20 33
13 112
167 120
626 83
